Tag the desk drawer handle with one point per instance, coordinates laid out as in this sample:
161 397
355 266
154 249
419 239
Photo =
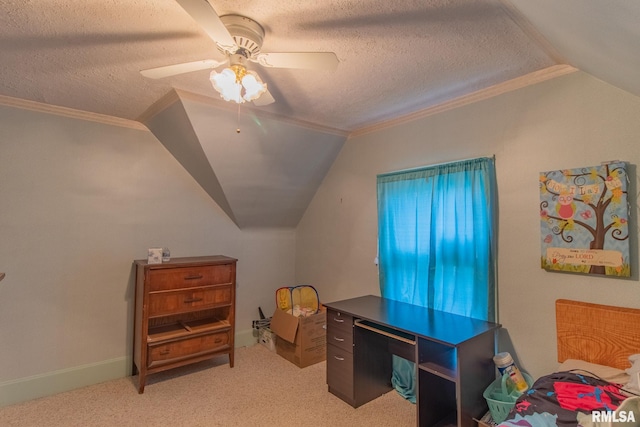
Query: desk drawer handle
338 339
189 301
339 358
339 320
193 277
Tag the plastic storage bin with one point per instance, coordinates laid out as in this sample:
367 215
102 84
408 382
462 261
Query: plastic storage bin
501 398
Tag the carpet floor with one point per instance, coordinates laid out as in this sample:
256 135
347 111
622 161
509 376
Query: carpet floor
262 389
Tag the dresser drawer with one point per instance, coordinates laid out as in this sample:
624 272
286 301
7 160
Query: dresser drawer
189 277
174 351
172 302
340 372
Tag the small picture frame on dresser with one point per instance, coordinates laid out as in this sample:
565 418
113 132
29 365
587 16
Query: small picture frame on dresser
155 256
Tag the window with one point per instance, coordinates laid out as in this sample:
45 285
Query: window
435 233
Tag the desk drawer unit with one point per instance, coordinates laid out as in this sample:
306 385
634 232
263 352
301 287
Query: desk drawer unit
340 355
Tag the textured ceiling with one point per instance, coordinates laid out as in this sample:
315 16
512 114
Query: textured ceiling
396 58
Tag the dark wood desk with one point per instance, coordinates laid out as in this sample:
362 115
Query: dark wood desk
453 354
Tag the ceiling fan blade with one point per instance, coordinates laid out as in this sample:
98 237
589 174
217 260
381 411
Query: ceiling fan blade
305 60
204 14
187 67
264 99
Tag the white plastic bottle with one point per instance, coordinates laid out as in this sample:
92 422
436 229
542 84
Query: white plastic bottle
506 365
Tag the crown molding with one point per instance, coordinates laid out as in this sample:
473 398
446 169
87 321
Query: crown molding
480 95
177 95
157 107
57 110
229 106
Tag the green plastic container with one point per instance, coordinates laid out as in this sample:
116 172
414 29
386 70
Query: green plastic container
501 397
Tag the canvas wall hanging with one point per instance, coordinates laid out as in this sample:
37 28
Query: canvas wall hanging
584 220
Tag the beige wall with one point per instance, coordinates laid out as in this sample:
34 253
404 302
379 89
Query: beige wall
568 122
80 201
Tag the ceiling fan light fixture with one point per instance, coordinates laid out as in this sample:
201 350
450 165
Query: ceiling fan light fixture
225 82
237 84
240 39
253 86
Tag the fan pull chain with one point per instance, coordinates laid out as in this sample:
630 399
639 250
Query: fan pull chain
238 128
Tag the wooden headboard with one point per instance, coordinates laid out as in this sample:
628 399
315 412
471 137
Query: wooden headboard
596 333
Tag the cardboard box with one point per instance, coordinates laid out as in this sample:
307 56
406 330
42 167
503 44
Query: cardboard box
301 340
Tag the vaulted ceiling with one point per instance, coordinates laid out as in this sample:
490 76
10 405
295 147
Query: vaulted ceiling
396 59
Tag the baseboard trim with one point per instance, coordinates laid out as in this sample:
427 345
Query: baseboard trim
47 384
36 386
246 338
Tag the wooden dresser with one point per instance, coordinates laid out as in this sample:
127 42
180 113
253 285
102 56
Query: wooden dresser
184 313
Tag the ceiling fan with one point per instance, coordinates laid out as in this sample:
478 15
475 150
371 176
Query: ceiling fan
240 39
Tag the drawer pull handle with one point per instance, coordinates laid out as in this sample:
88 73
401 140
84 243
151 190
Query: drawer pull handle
338 339
164 352
339 358
189 301
339 320
218 340
193 277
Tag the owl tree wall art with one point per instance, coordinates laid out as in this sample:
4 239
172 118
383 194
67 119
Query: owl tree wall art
584 220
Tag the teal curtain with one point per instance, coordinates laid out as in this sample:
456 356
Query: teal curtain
436 243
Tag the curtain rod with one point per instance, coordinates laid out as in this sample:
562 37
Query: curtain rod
436 164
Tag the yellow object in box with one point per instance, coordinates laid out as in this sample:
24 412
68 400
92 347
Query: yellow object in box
303 297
